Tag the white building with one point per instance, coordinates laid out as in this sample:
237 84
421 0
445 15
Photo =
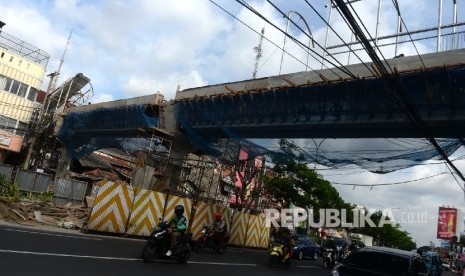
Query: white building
22 70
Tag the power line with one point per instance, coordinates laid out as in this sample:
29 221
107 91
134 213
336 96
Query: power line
396 5
400 97
388 184
247 6
245 24
337 34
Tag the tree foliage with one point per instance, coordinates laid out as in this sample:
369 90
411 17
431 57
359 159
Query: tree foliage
388 235
292 181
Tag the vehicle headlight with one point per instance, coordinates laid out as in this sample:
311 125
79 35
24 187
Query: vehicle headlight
204 231
295 248
335 273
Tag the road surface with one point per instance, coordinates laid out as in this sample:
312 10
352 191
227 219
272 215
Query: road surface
29 251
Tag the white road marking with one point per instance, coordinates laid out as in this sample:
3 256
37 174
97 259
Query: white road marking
111 258
51 234
68 255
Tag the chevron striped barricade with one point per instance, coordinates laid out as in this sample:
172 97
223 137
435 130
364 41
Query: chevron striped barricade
264 232
111 208
205 214
146 212
254 230
238 228
173 200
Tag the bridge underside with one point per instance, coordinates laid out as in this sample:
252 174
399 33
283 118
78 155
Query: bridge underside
355 108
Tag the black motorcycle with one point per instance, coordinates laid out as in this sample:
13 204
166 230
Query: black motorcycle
332 257
208 240
159 243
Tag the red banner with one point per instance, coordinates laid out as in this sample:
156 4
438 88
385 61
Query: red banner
447 223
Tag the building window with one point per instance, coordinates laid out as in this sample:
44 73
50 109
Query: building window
15 87
8 84
7 124
2 82
32 95
2 55
22 90
21 129
11 58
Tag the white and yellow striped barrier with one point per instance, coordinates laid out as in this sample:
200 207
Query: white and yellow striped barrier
146 212
171 204
205 214
238 228
254 229
264 233
111 208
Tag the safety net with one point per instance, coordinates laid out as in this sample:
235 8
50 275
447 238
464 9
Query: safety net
85 132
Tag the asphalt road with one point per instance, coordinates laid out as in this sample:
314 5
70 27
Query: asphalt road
28 251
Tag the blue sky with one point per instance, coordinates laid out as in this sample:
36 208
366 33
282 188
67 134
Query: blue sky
131 48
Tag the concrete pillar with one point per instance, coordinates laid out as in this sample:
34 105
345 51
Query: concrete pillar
63 163
181 146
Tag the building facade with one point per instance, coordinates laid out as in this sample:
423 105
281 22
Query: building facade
22 71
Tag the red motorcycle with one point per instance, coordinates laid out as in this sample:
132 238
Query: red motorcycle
212 240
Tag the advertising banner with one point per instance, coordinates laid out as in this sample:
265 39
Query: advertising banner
447 223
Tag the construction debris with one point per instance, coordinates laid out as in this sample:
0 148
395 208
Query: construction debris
26 211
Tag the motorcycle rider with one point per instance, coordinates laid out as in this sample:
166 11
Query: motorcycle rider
331 244
288 241
218 228
177 227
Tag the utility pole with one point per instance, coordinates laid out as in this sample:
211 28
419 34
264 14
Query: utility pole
40 118
62 60
259 54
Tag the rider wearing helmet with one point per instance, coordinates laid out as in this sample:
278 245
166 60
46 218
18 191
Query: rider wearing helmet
288 241
177 227
219 228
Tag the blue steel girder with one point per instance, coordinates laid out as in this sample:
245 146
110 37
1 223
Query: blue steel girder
355 108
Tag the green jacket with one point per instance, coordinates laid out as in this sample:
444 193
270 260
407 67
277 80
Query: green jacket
179 224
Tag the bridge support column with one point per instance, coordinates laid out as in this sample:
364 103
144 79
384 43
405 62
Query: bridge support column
63 163
180 148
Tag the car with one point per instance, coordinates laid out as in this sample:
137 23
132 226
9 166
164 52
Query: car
376 260
305 247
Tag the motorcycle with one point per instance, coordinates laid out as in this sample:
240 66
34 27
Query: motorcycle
331 258
207 240
159 242
277 257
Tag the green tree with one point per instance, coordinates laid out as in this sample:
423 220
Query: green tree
387 235
292 181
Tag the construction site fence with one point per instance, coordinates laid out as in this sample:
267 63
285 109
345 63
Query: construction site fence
32 182
35 183
121 209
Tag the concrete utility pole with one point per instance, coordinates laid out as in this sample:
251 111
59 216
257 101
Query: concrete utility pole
40 118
